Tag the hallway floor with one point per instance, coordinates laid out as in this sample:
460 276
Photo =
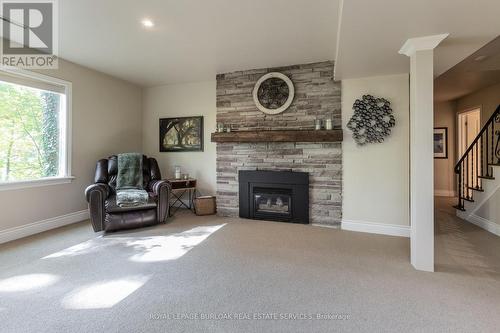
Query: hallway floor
462 247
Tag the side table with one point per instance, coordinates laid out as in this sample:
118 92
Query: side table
179 188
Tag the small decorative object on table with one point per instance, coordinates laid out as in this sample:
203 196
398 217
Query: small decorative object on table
205 205
220 127
177 172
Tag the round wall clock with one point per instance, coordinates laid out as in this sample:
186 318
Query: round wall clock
273 93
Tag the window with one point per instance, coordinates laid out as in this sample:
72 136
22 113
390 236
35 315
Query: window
34 129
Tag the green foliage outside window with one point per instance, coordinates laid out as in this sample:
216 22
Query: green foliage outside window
50 129
29 133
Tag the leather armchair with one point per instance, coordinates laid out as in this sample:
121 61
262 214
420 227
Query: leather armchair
106 215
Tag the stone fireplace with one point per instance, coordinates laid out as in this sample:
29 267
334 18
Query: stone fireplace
317 96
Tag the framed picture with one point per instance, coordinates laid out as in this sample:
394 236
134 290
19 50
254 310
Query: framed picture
441 142
181 134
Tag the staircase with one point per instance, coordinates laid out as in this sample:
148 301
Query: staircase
476 169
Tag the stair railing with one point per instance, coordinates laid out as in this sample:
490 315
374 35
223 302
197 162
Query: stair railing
476 163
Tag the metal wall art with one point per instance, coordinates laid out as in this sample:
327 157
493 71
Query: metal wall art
273 93
372 120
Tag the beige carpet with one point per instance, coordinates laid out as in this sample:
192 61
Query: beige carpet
248 276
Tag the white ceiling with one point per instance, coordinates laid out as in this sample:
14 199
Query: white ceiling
372 32
194 39
481 69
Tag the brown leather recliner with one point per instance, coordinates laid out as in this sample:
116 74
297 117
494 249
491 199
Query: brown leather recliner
106 215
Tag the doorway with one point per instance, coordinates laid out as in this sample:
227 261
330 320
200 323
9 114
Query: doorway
469 126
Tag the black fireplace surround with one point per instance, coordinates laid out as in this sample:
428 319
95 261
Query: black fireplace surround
274 196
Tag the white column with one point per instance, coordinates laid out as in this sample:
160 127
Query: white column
421 53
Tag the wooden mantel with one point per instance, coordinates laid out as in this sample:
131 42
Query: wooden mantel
334 135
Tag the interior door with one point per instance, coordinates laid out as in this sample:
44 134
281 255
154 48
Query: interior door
469 125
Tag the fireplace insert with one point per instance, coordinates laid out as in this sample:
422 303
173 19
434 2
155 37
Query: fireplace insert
274 196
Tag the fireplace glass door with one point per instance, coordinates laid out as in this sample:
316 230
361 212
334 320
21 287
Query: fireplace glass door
272 202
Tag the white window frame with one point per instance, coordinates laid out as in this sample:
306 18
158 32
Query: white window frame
66 135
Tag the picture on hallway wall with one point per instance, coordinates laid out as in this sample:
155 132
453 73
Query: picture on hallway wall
441 142
181 134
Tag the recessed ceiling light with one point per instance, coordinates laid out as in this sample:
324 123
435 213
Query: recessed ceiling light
480 58
147 23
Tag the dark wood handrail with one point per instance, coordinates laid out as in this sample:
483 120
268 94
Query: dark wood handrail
478 137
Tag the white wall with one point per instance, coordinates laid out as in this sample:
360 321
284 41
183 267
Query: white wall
445 115
487 99
181 100
376 176
106 120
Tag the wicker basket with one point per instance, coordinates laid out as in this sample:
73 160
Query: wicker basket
205 205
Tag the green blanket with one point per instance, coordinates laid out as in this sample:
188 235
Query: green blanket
129 189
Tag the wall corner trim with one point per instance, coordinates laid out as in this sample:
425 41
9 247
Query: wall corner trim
413 45
376 228
43 225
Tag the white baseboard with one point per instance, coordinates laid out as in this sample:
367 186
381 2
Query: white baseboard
325 226
444 193
41 226
485 224
376 228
